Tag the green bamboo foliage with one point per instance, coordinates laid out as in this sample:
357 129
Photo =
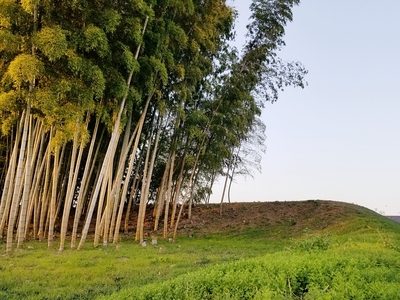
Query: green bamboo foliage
82 85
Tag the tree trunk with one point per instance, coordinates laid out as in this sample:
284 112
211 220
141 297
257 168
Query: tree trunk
100 214
230 183
73 175
117 226
45 194
177 193
10 178
108 209
27 187
37 179
143 200
52 210
225 183
161 195
84 182
18 181
134 191
168 194
109 154
147 180
210 188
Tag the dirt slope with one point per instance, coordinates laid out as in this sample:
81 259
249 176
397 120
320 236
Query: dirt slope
272 217
284 219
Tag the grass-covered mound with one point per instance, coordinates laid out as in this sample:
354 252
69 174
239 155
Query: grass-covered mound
272 250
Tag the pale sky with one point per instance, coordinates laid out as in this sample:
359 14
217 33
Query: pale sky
339 138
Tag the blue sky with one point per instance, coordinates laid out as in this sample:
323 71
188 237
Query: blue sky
339 138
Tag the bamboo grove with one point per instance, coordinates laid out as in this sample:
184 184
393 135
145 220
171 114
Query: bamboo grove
108 108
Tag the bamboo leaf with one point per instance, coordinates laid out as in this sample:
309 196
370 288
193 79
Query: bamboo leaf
29 5
8 111
52 42
159 66
111 19
8 41
128 59
23 68
98 82
96 40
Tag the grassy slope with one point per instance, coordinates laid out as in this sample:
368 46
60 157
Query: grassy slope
280 230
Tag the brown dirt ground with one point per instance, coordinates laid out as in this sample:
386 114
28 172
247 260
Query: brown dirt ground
315 215
206 218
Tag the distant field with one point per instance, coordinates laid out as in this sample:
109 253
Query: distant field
272 250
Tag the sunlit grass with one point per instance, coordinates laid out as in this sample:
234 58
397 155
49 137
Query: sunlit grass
43 273
329 274
36 272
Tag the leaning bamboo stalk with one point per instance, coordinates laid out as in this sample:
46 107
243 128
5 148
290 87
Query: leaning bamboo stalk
126 142
168 194
18 182
177 192
37 180
36 174
190 185
99 216
113 199
47 219
157 200
55 198
52 210
197 159
10 178
36 163
149 177
139 227
27 187
231 178
100 181
87 183
109 204
225 185
189 188
109 154
28 159
134 190
62 191
123 197
73 178
161 196
179 217
69 191
36 213
137 133
112 218
86 175
207 201
121 167
6 195
45 194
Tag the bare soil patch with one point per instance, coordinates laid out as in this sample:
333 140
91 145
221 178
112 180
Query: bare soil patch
248 216
315 214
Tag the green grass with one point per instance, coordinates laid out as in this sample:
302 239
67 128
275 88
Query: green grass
356 257
87 274
332 274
